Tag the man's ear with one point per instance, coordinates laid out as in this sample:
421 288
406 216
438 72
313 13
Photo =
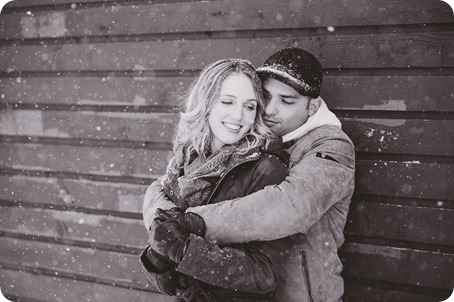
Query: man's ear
314 104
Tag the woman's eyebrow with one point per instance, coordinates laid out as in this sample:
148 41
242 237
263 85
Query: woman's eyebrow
229 95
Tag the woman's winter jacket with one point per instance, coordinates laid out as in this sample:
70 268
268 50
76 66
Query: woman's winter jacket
226 273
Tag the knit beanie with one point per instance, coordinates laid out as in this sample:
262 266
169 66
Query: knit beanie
296 68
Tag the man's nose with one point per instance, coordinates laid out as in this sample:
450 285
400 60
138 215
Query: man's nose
270 107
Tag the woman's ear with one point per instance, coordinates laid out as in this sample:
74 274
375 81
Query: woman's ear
314 104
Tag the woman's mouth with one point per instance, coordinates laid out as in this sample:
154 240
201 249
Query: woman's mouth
233 127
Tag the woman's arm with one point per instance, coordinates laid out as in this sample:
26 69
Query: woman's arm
154 198
243 268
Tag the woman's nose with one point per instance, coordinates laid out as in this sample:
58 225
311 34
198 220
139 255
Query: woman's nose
238 113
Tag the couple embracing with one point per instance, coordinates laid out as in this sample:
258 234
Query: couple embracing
255 198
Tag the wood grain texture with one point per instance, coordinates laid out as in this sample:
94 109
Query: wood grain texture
423 268
118 126
73 193
85 159
55 288
230 15
92 229
404 135
356 291
87 96
404 179
342 92
402 222
390 50
110 267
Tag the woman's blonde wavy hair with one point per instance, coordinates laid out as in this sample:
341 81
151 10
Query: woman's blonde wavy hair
194 133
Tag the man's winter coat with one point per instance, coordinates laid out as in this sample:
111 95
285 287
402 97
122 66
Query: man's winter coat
312 204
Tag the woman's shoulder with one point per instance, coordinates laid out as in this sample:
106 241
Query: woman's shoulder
275 150
266 170
271 162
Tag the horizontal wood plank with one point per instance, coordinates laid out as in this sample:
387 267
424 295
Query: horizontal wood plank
218 16
407 266
389 93
383 93
401 222
92 229
386 50
85 159
40 3
120 126
101 90
401 136
404 179
355 292
110 267
54 288
73 193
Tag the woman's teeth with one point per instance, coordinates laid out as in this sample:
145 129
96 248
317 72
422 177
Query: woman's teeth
232 126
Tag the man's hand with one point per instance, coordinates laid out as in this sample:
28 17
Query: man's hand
170 238
192 222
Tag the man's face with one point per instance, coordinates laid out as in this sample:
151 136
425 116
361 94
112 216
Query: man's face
286 109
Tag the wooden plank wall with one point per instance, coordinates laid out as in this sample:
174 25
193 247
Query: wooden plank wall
87 93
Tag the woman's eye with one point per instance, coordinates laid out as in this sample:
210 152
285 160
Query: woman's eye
226 102
286 102
250 107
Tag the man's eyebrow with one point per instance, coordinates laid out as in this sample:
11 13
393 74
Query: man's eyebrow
290 96
285 96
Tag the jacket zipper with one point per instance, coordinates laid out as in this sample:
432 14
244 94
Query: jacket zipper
306 274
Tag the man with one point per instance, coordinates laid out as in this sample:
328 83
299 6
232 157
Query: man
308 209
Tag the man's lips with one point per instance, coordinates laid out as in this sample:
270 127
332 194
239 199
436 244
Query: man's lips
270 122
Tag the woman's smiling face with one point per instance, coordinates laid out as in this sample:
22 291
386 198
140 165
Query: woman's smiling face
234 112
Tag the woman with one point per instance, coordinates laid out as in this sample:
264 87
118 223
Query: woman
218 155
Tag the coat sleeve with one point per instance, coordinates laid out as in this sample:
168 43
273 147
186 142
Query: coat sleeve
242 268
314 184
154 198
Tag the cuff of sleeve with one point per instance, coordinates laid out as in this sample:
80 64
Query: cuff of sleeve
153 262
194 247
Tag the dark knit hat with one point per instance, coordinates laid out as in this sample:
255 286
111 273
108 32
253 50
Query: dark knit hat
295 67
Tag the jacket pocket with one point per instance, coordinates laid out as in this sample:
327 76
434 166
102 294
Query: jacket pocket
305 272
